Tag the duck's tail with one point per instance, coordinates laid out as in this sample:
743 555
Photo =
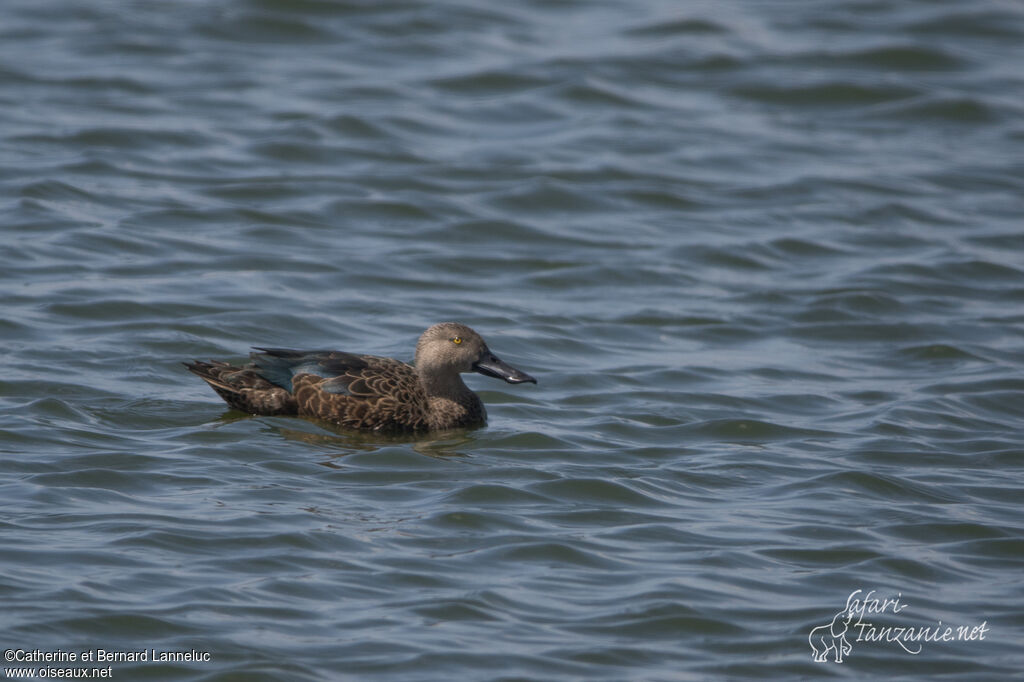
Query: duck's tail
243 389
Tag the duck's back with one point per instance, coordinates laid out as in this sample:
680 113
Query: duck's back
362 392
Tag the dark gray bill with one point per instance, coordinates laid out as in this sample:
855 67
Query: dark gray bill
490 365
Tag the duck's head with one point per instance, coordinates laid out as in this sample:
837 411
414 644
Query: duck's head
450 346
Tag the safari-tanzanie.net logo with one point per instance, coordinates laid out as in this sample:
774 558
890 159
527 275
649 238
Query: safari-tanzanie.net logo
867 618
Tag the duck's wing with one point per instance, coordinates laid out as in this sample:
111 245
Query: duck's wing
355 391
280 366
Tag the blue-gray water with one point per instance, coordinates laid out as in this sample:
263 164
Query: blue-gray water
766 260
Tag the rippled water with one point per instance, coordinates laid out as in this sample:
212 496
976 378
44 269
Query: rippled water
765 259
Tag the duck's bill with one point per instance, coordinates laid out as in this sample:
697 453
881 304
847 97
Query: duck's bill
491 366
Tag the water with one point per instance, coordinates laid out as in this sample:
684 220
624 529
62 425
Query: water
765 260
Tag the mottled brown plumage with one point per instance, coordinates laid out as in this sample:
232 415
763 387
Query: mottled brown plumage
366 392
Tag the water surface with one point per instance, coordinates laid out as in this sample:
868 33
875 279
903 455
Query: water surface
765 260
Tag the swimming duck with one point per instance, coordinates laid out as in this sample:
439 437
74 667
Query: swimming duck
366 392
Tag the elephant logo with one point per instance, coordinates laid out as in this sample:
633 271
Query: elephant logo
832 637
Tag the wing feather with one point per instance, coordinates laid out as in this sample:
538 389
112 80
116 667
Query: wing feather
357 391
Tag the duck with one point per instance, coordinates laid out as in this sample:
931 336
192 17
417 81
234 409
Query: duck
367 392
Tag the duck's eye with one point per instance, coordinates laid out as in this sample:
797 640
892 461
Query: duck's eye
457 340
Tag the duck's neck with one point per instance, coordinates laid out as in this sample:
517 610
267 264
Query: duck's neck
452 404
447 385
